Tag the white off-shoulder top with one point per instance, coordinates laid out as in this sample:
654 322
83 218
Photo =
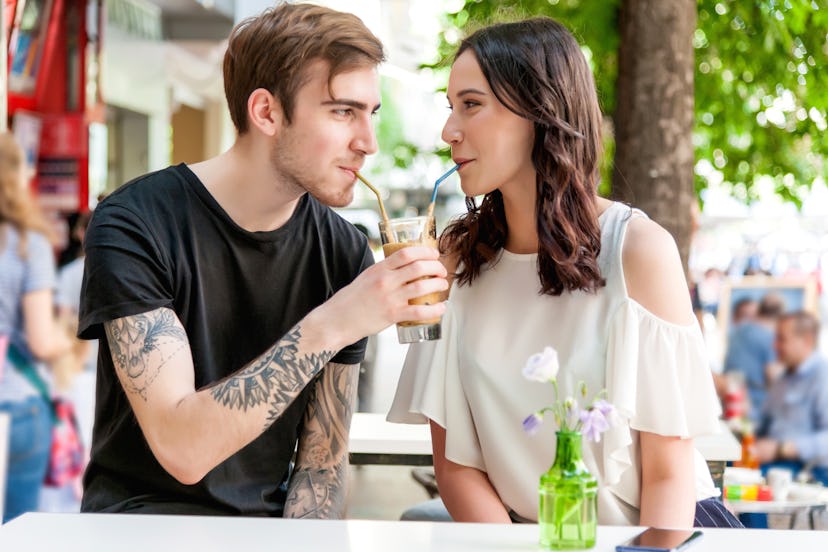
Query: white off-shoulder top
470 381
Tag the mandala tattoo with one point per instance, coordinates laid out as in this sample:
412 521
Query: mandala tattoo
275 378
136 344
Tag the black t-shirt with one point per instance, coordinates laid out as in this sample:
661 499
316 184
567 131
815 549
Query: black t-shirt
163 241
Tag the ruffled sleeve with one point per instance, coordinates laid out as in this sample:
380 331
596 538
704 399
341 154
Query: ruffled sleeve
430 389
658 378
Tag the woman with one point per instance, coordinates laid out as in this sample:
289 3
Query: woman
27 277
543 261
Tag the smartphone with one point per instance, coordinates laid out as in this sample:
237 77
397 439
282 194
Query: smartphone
660 540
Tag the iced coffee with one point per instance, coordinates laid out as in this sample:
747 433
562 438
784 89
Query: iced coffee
408 232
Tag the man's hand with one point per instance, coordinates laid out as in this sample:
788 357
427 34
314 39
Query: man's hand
379 296
766 450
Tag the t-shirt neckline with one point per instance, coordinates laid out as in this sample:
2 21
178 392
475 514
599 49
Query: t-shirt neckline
286 230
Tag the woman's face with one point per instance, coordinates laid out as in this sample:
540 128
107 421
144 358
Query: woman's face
492 145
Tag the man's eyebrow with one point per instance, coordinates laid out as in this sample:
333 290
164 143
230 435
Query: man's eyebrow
350 103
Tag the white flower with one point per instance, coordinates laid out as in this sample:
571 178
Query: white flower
542 367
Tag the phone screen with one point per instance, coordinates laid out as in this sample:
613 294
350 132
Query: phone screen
659 540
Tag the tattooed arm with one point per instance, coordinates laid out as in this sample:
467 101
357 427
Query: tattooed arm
190 432
318 486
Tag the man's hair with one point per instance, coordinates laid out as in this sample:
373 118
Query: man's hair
273 50
772 305
804 323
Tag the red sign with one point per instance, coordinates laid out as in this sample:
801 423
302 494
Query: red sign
63 135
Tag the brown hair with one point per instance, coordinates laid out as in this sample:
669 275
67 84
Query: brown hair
537 70
804 323
16 205
273 49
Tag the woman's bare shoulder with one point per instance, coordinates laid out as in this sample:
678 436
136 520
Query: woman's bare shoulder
653 271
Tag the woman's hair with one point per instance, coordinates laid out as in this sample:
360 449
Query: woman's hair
16 205
537 70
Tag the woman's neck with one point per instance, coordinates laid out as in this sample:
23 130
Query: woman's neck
521 220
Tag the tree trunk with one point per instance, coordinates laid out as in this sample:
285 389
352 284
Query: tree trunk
654 113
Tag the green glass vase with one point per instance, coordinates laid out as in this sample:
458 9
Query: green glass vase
568 512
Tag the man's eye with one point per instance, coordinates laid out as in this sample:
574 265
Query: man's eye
343 112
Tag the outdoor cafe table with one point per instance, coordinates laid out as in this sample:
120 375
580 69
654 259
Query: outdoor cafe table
140 533
376 441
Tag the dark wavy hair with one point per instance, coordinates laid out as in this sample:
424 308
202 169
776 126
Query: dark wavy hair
537 70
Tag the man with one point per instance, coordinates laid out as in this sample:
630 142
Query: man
750 352
233 300
794 423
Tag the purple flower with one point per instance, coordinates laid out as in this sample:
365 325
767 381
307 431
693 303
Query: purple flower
606 408
593 424
532 423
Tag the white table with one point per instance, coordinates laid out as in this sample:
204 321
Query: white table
806 510
376 441
139 533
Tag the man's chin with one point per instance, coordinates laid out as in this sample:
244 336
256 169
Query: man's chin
335 200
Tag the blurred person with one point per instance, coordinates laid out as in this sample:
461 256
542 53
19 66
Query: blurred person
75 226
543 261
750 352
710 290
231 301
27 324
744 310
793 429
74 373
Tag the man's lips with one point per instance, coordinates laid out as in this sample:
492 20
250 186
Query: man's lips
352 170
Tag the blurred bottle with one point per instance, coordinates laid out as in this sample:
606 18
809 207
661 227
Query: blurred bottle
735 399
749 459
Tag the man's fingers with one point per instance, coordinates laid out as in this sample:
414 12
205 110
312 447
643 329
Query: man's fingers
411 254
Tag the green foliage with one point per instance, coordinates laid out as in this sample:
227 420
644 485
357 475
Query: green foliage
396 150
593 22
750 55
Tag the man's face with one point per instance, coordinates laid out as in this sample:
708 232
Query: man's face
791 348
330 134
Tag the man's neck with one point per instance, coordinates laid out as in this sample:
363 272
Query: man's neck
244 184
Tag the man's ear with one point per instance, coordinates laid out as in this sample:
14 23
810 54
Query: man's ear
265 112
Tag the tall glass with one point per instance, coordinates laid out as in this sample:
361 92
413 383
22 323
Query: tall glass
409 232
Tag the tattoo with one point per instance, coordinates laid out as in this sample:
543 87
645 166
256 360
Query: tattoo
317 487
274 378
136 344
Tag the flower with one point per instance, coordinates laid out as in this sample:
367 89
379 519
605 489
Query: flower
592 420
593 424
543 366
532 423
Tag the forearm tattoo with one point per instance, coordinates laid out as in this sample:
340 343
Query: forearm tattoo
318 484
275 378
136 344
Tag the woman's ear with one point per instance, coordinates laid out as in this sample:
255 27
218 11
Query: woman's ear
264 112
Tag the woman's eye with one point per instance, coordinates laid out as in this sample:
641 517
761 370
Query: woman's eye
470 103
